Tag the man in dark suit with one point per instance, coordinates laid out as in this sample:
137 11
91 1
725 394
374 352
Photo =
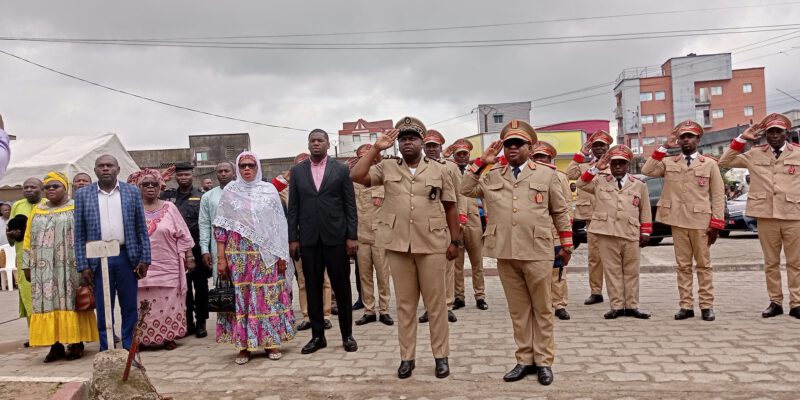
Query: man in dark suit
323 232
112 210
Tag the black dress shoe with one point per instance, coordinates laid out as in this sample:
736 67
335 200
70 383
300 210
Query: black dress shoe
795 312
773 310
613 314
442 368
328 324
593 299
201 331
314 344
481 304
386 319
545 375
458 303
423 318
562 314
349 344
358 305
335 310
684 313
520 371
366 319
305 325
451 316
708 314
637 313
405 369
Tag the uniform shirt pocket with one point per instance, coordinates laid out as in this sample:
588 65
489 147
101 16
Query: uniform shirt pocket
702 177
490 236
673 172
434 186
538 193
664 208
792 204
604 193
542 239
385 226
633 227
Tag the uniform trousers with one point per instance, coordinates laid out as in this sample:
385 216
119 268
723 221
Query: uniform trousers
559 291
527 286
774 235
197 291
122 282
415 274
301 285
316 260
621 267
472 236
450 283
372 264
595 263
692 244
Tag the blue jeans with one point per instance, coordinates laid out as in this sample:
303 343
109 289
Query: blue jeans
122 281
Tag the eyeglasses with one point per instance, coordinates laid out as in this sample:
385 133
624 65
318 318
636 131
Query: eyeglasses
52 186
150 184
246 166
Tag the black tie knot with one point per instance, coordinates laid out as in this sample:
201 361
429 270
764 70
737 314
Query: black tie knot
515 171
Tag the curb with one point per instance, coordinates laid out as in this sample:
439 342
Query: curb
72 391
650 269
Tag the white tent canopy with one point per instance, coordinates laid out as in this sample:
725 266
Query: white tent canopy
35 157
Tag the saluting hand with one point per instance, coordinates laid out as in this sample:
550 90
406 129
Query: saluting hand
754 132
672 141
490 154
586 149
603 162
387 140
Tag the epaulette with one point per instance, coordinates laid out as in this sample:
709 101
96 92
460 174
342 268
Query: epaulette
793 144
547 164
495 166
710 157
390 157
634 179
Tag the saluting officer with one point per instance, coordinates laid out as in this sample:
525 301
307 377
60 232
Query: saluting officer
370 256
693 203
597 145
523 199
774 200
622 221
281 183
471 233
418 227
545 153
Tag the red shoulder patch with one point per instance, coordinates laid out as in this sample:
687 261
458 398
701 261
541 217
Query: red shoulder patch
710 157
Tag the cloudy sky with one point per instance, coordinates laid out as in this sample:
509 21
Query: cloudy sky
322 87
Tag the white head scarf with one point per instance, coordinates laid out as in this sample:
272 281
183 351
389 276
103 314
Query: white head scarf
254 210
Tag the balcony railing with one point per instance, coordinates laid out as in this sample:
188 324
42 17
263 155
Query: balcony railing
702 100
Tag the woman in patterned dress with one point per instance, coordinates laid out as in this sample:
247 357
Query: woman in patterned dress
251 231
48 261
171 251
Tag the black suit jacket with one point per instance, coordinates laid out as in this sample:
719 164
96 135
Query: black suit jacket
328 214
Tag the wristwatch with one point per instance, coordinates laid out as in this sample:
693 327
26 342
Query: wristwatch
456 242
568 249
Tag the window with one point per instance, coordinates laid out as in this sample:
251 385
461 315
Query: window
716 90
661 140
661 118
703 117
646 96
660 95
373 137
648 141
634 144
747 88
201 156
716 114
498 118
647 119
356 138
230 153
748 111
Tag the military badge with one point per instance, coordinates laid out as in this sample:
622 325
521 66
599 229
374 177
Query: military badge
636 201
792 169
701 181
377 201
539 198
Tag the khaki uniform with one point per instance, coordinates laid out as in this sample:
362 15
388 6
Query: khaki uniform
692 200
560 292
471 234
774 200
301 280
450 277
412 227
619 217
583 212
370 257
518 234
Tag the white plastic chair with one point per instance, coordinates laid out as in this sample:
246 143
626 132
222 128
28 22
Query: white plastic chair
7 272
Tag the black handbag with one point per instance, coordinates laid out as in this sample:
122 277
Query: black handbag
221 297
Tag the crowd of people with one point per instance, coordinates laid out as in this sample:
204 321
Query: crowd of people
415 217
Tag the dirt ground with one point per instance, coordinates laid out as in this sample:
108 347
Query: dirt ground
27 390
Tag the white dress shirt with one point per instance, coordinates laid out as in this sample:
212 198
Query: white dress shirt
111 223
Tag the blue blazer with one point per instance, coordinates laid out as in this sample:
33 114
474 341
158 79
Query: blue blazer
87 225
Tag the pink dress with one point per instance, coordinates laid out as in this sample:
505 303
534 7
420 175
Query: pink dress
264 318
165 284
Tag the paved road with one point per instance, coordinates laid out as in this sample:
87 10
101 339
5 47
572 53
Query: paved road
738 356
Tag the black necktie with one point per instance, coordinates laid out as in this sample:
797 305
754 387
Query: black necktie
777 153
619 183
515 171
688 160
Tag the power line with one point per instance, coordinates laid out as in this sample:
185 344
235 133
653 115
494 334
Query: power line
798 100
148 98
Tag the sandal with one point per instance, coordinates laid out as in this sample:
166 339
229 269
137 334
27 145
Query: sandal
274 354
243 357
74 351
170 345
57 352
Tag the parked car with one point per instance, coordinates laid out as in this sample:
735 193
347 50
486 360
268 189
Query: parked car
654 187
736 220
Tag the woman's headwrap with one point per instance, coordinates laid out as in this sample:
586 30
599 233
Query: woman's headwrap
137 177
58 177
